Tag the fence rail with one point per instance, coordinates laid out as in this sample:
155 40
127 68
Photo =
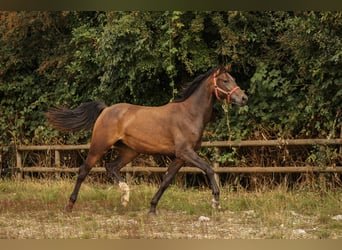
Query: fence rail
57 168
247 143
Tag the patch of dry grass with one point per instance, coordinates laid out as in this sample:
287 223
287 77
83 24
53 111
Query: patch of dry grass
34 209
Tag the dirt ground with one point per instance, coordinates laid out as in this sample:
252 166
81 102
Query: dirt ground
35 210
167 225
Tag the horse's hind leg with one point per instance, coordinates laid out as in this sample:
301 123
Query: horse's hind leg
126 155
96 151
82 174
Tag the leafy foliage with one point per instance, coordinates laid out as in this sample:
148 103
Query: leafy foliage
288 62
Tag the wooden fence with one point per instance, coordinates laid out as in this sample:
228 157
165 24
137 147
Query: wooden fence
57 167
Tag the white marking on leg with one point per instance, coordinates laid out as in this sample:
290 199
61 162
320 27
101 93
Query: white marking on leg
215 204
125 196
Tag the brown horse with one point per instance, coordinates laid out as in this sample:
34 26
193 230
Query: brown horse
174 129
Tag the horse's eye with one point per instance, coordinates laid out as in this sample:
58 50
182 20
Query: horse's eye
225 81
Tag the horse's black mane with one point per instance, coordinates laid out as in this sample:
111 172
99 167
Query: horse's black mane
190 88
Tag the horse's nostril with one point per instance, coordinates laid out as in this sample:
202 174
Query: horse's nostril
245 98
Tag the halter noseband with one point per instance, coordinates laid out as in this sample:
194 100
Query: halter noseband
228 93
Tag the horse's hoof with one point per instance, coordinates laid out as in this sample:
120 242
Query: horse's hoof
215 204
152 213
125 197
124 203
69 206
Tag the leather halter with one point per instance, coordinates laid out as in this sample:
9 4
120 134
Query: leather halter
228 93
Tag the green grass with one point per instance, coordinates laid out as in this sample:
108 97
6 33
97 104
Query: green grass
35 209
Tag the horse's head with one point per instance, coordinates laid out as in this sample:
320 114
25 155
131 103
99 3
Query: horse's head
224 86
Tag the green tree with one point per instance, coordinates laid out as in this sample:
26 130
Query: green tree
288 62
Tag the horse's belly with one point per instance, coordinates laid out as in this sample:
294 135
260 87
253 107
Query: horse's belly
150 147
150 142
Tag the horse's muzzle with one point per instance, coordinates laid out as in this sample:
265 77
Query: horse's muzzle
239 98
244 100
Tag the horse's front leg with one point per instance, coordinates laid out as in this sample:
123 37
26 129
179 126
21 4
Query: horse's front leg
192 157
172 170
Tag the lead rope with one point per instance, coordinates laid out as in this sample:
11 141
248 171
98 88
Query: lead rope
225 107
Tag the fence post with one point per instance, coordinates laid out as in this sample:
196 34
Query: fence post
216 165
129 174
57 162
19 163
57 158
1 160
341 139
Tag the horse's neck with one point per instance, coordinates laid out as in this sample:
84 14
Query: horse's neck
200 103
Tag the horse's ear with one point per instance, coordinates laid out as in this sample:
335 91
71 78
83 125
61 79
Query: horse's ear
227 67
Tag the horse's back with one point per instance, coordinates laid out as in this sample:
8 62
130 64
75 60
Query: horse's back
145 129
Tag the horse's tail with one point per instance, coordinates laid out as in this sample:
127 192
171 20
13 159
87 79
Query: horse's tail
82 117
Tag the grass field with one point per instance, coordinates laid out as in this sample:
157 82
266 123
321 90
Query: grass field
34 209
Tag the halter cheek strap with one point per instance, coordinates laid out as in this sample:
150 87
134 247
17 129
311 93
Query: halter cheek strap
228 93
